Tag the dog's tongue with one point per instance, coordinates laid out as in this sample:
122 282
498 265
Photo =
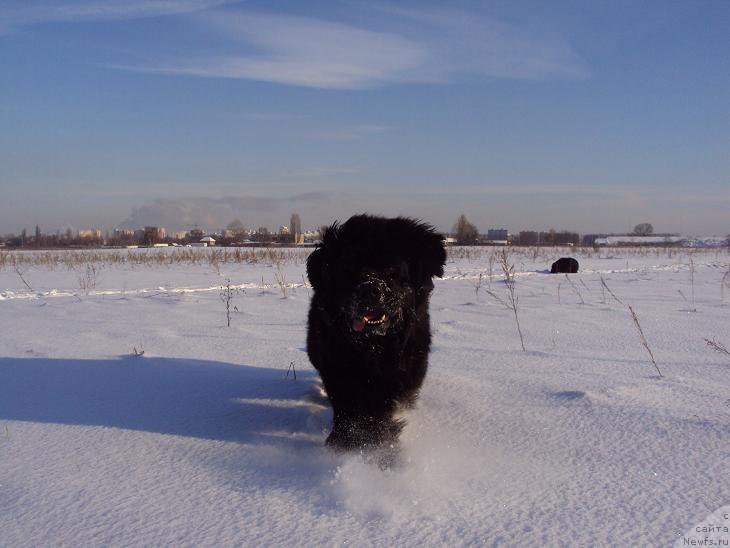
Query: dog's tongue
358 324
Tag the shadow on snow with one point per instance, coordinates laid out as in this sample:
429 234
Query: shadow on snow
181 397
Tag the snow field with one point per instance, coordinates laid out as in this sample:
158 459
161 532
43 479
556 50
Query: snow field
204 440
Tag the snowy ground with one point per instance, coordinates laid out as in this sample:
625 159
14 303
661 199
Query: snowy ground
205 441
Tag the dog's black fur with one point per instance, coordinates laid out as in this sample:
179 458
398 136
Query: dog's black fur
564 265
369 332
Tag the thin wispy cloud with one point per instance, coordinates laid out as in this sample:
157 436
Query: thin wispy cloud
407 48
271 116
323 171
429 45
18 13
350 133
466 43
301 51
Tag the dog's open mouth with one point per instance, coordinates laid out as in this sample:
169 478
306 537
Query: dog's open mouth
369 318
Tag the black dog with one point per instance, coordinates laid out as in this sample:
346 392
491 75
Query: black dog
564 265
369 332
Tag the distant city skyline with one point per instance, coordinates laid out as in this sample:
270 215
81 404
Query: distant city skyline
583 116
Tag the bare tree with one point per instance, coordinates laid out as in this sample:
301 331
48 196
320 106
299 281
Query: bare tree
466 233
237 228
643 229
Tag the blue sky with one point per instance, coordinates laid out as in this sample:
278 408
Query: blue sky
590 116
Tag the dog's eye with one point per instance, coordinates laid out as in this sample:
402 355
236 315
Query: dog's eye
397 272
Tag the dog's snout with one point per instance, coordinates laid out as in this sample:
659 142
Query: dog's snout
370 290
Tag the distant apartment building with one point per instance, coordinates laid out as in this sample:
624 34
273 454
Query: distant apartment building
90 234
153 234
550 237
295 229
590 239
123 233
563 237
529 237
497 234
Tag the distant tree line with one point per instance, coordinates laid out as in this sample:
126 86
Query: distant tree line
464 232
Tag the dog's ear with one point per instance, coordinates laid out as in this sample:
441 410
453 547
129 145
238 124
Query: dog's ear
432 254
318 262
315 268
425 250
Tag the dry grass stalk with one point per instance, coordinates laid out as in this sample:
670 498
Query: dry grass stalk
74 259
478 285
306 284
575 288
643 339
717 346
22 279
605 285
496 297
491 268
682 294
692 281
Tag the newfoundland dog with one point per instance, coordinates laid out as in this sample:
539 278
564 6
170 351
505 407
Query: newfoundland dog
564 265
369 333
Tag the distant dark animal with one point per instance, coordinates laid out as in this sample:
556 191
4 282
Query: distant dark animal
564 265
369 332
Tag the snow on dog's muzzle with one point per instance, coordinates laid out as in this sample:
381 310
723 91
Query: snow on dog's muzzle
370 305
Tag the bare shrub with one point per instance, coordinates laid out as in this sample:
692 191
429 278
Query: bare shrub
87 278
280 278
512 299
215 261
227 294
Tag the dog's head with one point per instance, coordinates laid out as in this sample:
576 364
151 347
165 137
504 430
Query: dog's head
371 274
